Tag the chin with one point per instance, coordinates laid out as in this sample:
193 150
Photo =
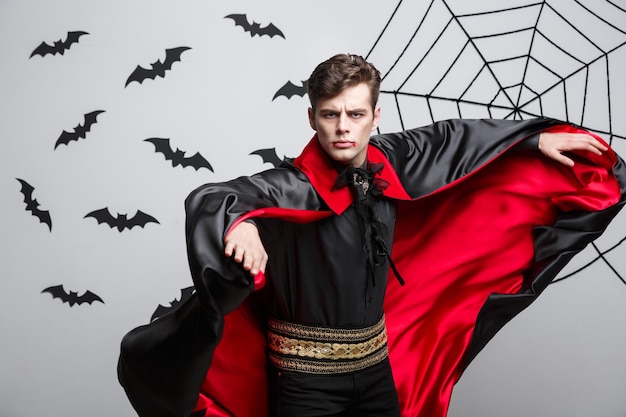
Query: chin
342 158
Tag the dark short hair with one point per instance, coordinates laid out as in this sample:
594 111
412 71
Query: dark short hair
337 73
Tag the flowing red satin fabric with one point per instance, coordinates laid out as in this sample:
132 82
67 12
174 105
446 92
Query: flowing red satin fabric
237 377
470 241
454 248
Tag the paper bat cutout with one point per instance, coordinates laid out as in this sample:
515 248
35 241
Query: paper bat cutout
161 310
60 46
268 155
121 221
290 89
158 68
72 297
177 157
33 206
80 131
255 28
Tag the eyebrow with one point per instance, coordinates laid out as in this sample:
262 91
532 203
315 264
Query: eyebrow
356 110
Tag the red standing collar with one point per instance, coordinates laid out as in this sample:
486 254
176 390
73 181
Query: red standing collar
318 167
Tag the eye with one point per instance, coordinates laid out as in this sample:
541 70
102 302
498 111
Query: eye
329 115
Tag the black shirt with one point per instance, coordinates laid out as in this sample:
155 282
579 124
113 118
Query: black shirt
317 273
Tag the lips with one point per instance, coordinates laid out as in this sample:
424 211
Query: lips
344 145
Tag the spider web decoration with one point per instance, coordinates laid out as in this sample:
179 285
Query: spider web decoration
522 60
540 58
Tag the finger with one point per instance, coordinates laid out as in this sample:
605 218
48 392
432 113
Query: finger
254 267
239 254
588 142
228 249
263 264
248 262
259 264
598 146
559 157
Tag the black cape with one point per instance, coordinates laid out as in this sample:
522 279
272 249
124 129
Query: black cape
163 365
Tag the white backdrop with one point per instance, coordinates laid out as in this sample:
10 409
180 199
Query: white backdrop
563 356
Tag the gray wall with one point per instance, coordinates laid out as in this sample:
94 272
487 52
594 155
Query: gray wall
563 356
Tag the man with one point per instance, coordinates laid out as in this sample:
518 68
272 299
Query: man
479 211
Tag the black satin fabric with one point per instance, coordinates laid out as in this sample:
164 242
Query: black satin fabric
433 156
162 365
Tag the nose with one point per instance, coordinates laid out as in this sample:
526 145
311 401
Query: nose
342 123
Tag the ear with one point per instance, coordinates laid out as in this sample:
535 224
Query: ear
376 119
312 119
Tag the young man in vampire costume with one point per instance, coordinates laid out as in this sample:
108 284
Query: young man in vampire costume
293 314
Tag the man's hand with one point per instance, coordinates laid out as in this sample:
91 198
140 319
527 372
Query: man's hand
553 145
244 245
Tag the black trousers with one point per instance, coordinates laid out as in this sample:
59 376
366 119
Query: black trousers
370 392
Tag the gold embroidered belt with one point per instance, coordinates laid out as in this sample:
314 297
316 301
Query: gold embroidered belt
324 350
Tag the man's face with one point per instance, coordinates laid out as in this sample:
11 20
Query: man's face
343 124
